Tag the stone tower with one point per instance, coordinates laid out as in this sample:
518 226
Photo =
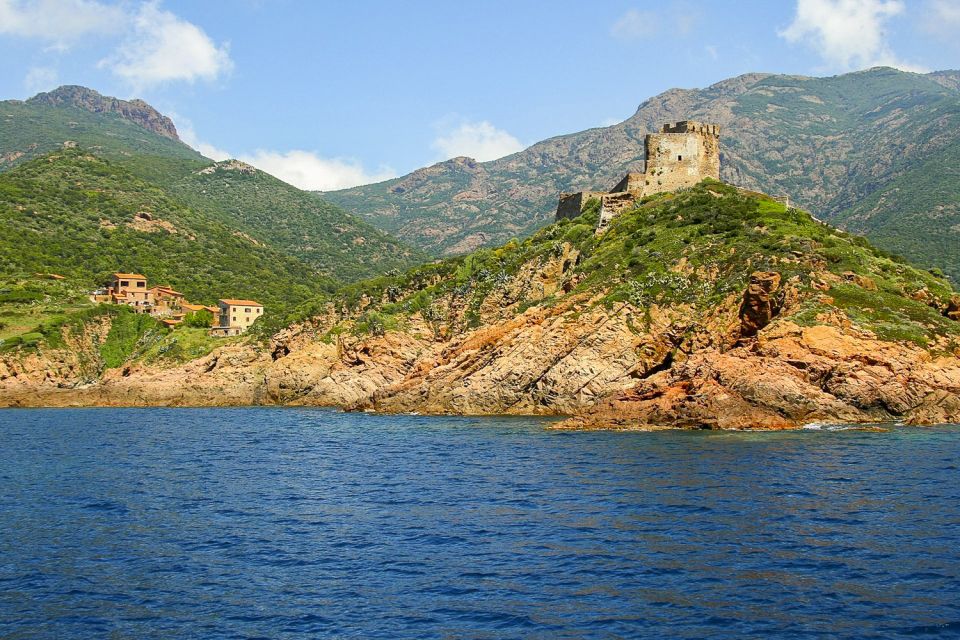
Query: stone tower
678 157
681 155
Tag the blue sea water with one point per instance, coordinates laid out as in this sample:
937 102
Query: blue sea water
289 523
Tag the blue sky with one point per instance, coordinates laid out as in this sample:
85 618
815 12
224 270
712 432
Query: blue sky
331 94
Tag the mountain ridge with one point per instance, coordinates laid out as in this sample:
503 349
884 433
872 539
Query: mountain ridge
136 110
825 142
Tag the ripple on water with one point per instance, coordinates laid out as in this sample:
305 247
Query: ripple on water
305 523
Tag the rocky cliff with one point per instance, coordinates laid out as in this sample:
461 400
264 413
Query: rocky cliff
136 111
714 308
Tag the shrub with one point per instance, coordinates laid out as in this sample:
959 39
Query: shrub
201 319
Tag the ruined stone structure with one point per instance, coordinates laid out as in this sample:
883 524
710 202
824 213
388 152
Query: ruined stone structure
678 157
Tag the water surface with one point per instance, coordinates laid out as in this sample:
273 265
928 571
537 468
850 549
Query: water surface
283 523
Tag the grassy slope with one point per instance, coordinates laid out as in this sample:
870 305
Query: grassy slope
696 248
332 241
70 213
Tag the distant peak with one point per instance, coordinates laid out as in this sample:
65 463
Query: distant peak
136 111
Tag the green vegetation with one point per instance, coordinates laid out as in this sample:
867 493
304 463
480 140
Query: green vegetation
29 130
272 213
695 248
917 214
181 345
128 332
36 305
267 213
83 217
199 319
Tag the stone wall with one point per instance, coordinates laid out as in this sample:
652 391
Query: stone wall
632 182
571 204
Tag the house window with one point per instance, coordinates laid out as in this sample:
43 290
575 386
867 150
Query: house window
141 284
234 318
124 283
247 310
679 158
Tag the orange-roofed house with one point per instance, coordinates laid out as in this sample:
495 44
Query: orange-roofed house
236 316
129 289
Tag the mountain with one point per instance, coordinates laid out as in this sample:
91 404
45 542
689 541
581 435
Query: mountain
133 136
83 217
827 143
711 308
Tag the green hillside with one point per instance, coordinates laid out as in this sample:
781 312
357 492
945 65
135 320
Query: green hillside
31 129
918 213
135 137
84 217
693 252
328 239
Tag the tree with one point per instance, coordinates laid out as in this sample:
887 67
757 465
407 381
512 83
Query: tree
202 318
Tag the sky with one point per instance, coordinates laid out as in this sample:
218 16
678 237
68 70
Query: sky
332 94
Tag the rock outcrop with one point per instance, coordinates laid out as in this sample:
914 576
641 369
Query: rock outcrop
136 111
761 302
541 362
953 308
789 377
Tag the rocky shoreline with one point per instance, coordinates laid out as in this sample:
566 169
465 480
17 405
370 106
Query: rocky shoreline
663 320
597 373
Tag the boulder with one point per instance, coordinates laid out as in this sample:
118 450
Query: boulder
953 308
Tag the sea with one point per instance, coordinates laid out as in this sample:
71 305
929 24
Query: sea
312 523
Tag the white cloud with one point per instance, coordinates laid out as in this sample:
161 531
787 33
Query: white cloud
307 170
847 34
712 51
153 45
303 169
634 24
163 47
40 79
478 140
60 22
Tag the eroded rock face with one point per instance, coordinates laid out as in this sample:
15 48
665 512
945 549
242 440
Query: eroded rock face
761 302
792 376
608 365
136 111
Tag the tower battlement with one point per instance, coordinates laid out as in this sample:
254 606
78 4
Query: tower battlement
691 126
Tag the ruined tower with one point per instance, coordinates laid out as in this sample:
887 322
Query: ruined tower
678 157
681 155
